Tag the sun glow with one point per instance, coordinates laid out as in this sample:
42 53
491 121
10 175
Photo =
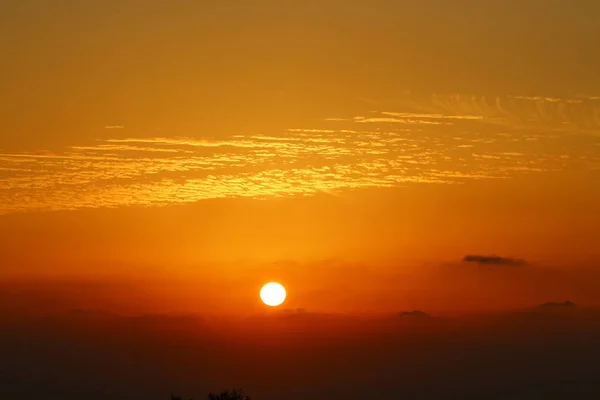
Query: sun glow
272 294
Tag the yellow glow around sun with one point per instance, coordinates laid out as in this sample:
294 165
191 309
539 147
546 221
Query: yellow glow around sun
272 294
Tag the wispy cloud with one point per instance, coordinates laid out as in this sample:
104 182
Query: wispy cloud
406 121
119 148
432 116
575 115
185 142
444 140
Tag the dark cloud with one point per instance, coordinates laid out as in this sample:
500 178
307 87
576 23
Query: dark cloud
415 313
566 304
493 260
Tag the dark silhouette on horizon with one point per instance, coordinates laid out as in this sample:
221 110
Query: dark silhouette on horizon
226 395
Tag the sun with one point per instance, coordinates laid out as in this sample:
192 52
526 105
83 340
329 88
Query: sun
272 294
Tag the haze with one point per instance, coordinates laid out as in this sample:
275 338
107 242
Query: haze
167 158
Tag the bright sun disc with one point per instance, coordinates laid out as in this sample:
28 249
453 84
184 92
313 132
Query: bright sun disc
272 294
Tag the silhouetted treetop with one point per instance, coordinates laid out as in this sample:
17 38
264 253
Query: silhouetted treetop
229 395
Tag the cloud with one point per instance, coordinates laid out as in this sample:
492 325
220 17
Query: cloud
117 148
440 140
565 304
575 115
415 313
185 142
547 99
578 114
433 116
492 260
406 121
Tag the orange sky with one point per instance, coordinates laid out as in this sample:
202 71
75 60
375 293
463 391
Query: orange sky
187 152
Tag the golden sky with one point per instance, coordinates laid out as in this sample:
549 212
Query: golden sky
226 143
